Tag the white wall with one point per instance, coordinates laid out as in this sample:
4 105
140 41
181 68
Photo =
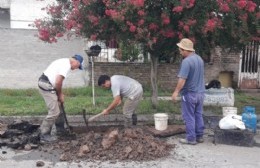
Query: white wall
24 12
5 4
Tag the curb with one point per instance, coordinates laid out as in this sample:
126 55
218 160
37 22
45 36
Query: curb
78 120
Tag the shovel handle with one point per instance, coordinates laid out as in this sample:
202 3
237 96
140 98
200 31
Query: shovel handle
94 117
65 116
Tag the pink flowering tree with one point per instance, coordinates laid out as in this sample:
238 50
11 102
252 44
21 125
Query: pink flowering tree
157 24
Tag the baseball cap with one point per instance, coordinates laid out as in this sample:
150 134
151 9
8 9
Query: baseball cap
80 59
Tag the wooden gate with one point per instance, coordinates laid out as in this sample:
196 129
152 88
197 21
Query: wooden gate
249 70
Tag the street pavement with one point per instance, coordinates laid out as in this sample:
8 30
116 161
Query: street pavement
204 155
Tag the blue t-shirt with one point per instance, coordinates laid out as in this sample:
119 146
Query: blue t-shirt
192 69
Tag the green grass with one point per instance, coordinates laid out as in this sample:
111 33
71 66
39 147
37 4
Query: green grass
29 102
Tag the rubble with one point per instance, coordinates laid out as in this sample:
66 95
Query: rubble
104 143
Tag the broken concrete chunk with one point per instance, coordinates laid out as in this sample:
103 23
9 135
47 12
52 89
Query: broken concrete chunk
83 150
109 139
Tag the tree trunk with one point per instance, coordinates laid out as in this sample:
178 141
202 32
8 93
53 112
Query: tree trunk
154 67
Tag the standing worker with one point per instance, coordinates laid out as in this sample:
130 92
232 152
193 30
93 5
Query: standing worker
123 87
191 88
50 87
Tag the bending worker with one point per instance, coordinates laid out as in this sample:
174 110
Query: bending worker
50 87
123 87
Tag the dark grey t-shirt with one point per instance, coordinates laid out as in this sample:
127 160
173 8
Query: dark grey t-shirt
125 86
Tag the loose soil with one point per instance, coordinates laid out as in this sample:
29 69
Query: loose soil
104 143
114 144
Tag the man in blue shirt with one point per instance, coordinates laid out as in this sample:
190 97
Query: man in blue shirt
191 88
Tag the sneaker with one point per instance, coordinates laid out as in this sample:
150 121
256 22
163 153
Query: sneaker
47 138
185 141
200 140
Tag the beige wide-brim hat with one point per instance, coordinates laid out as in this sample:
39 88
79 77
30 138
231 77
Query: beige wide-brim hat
186 44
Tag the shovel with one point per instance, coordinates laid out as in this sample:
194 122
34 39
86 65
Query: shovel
91 118
94 117
65 117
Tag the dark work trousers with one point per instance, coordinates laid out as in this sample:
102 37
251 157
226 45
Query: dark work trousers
192 110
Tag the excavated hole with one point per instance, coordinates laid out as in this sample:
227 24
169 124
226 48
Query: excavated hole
93 143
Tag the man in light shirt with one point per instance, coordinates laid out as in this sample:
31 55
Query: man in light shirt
123 87
50 87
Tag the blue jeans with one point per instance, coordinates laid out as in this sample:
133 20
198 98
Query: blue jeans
192 110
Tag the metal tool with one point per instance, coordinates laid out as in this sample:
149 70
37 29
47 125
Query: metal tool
65 117
94 117
84 117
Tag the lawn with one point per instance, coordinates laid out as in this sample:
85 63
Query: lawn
30 102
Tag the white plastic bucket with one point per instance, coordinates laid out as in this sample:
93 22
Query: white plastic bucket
161 121
229 110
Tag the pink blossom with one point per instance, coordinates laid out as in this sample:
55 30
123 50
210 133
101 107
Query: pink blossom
59 34
241 4
154 40
38 22
191 4
93 19
44 34
251 6
186 28
177 9
168 33
93 37
181 24
211 24
137 3
129 23
166 21
180 35
224 8
183 2
132 28
52 40
107 12
140 22
79 25
153 26
86 2
191 22
69 24
141 13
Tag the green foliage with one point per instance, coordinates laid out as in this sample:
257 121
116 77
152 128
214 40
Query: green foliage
159 25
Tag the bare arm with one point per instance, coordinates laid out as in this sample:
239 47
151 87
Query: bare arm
58 87
178 88
117 100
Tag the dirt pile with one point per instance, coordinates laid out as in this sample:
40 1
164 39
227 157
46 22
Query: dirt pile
114 144
94 143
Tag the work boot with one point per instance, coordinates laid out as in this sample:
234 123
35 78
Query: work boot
59 123
46 126
185 141
134 119
128 123
200 140
47 138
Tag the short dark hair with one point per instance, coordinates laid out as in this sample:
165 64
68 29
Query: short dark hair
102 79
